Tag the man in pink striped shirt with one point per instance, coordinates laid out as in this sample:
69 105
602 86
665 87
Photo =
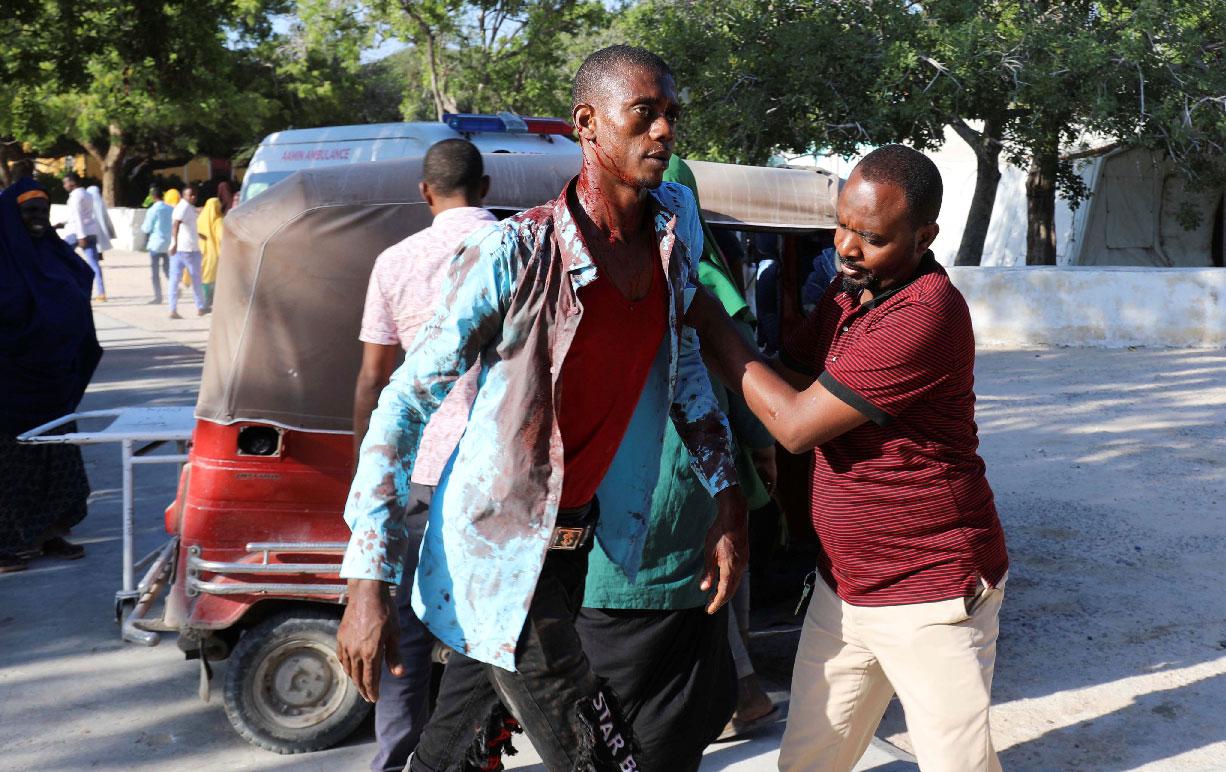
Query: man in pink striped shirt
405 289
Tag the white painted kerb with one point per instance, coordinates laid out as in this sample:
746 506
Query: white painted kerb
1100 307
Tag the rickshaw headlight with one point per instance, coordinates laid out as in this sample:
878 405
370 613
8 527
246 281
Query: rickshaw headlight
259 441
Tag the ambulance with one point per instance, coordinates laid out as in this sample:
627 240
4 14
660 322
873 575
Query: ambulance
284 152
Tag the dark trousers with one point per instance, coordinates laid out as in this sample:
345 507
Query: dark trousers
400 713
674 673
156 260
573 720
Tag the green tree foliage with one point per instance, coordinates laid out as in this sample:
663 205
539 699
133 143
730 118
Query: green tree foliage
473 55
319 75
1172 56
761 75
143 78
1026 79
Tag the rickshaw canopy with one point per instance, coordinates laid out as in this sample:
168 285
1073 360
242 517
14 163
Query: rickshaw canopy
295 262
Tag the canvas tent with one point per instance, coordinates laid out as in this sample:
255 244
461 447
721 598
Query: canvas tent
295 262
1132 217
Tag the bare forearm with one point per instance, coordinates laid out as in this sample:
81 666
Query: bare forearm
365 398
725 350
776 404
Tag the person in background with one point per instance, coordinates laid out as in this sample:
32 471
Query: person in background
22 167
825 270
185 251
156 226
208 225
172 197
83 229
105 226
48 353
406 286
754 708
227 196
765 249
652 638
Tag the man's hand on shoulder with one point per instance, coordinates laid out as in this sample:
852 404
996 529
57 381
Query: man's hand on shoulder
727 548
369 632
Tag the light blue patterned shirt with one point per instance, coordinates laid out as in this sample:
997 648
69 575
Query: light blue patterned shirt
510 305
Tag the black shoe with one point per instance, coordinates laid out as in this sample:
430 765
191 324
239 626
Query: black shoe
11 564
63 549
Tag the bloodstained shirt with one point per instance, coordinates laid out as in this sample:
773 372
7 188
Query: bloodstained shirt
603 377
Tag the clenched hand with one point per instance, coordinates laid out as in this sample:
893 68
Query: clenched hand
369 632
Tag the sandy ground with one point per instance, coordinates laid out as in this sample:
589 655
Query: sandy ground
1108 468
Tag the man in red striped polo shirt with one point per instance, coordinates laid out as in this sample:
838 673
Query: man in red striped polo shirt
879 383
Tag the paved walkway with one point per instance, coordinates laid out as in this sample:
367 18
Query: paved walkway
1109 472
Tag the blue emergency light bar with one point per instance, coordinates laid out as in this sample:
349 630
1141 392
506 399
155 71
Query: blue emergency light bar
508 123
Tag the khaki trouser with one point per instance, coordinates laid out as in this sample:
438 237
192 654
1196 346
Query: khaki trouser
852 659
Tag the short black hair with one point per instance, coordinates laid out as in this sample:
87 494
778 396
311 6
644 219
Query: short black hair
155 190
910 170
453 166
591 75
76 178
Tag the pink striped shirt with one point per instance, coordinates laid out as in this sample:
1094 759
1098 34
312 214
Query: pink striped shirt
404 292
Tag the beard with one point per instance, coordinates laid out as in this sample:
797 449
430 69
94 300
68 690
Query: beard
856 286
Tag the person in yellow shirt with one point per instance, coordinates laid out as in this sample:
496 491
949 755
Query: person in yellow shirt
208 223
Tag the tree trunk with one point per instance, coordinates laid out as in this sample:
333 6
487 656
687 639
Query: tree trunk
987 146
1041 203
112 163
435 89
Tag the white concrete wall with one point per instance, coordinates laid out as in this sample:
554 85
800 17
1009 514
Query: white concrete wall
127 222
1096 307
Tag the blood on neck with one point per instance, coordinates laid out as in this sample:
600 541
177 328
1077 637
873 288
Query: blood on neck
594 198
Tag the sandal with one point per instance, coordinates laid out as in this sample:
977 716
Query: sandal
735 729
11 564
64 550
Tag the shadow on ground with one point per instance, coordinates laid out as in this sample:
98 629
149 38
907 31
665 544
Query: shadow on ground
1108 469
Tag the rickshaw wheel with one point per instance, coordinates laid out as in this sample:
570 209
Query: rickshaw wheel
285 690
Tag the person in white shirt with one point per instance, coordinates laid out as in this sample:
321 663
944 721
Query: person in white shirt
83 229
185 251
106 230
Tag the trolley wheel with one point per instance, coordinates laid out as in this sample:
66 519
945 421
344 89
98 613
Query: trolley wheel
285 690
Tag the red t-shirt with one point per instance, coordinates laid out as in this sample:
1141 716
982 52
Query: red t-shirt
602 377
901 504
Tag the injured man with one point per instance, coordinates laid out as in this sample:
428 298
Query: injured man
567 309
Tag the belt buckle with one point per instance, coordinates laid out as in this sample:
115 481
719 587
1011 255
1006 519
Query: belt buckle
567 538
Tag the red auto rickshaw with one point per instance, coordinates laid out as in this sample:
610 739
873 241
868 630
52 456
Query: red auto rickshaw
250 573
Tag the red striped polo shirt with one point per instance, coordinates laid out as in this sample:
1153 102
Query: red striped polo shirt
901 503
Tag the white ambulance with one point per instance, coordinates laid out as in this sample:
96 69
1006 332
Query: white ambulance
285 152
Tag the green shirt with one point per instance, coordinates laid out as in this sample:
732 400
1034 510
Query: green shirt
682 510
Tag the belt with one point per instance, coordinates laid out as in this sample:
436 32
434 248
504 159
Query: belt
575 527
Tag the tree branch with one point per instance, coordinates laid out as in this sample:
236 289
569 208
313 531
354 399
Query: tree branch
969 135
1092 152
